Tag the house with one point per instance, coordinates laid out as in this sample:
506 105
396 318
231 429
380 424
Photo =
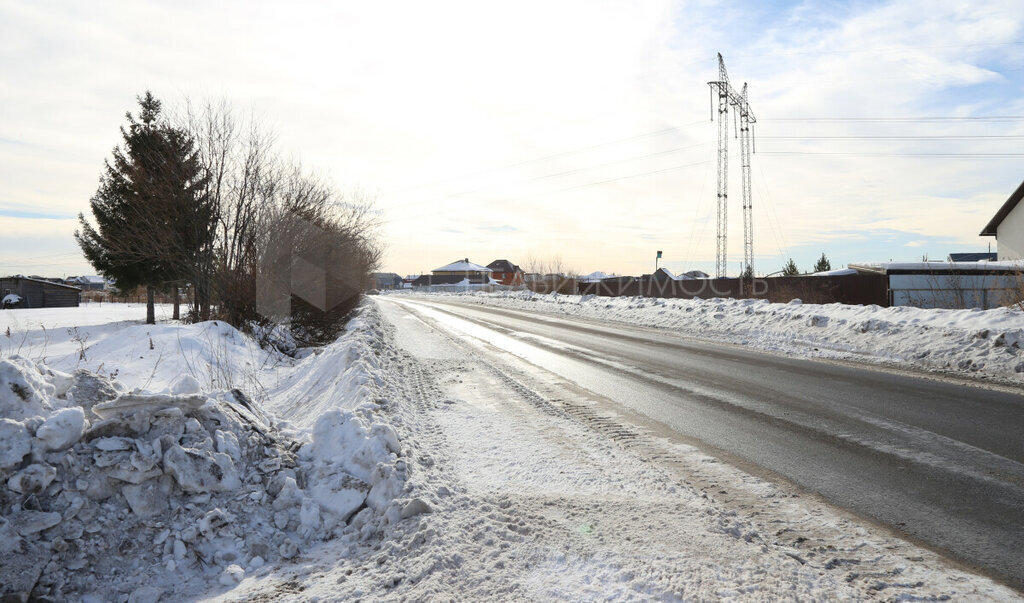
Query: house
385 281
87 283
506 273
663 274
40 293
459 272
1007 226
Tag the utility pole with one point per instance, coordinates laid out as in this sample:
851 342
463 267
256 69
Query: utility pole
727 96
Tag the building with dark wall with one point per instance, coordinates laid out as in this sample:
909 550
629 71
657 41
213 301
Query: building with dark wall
386 281
39 293
506 272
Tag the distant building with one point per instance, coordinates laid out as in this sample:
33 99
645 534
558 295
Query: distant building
87 283
506 273
40 293
457 273
386 281
666 274
1007 226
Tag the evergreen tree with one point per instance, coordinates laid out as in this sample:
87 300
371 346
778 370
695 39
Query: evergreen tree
790 268
823 264
152 216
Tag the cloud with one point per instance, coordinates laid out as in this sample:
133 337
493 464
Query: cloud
576 122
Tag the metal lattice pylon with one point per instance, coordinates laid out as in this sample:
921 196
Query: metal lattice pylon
727 96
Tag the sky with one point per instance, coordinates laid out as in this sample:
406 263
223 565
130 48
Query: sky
571 133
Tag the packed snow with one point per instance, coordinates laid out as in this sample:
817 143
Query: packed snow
980 343
136 465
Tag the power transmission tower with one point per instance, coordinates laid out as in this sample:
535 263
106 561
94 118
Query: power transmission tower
727 96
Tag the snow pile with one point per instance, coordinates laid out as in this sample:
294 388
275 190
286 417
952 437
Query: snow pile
986 343
117 493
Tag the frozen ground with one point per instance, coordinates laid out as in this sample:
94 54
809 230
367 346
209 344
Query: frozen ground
987 344
472 476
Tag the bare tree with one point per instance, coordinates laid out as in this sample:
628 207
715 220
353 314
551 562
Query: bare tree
269 211
550 275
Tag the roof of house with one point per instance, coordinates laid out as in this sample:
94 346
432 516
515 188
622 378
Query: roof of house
462 266
990 228
990 256
1004 266
42 280
662 273
96 280
594 277
503 266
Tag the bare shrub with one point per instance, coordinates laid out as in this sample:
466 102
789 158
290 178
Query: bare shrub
550 275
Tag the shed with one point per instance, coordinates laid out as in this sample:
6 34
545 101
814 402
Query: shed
40 293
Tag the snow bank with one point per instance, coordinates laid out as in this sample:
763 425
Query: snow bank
986 343
112 492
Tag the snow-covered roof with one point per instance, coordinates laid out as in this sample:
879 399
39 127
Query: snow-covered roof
594 277
837 272
503 266
463 266
37 279
95 280
1004 265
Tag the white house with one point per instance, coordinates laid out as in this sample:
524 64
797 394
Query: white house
1007 226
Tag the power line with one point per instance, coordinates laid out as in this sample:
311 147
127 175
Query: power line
880 50
546 176
937 137
561 190
902 119
891 154
551 156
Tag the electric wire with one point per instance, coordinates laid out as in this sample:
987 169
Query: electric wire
584 149
556 191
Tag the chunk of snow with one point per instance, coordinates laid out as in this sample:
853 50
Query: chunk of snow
32 479
15 443
185 385
232 574
130 403
63 428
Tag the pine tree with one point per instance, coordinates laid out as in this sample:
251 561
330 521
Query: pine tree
790 268
823 264
151 211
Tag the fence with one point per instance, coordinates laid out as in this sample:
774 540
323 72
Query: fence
846 289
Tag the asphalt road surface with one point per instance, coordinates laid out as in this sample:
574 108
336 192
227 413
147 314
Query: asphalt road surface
939 461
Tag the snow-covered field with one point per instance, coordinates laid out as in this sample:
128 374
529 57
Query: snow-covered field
176 461
980 343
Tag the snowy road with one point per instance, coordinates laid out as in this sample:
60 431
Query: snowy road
939 461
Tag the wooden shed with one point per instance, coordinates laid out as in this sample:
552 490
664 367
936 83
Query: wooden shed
39 293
